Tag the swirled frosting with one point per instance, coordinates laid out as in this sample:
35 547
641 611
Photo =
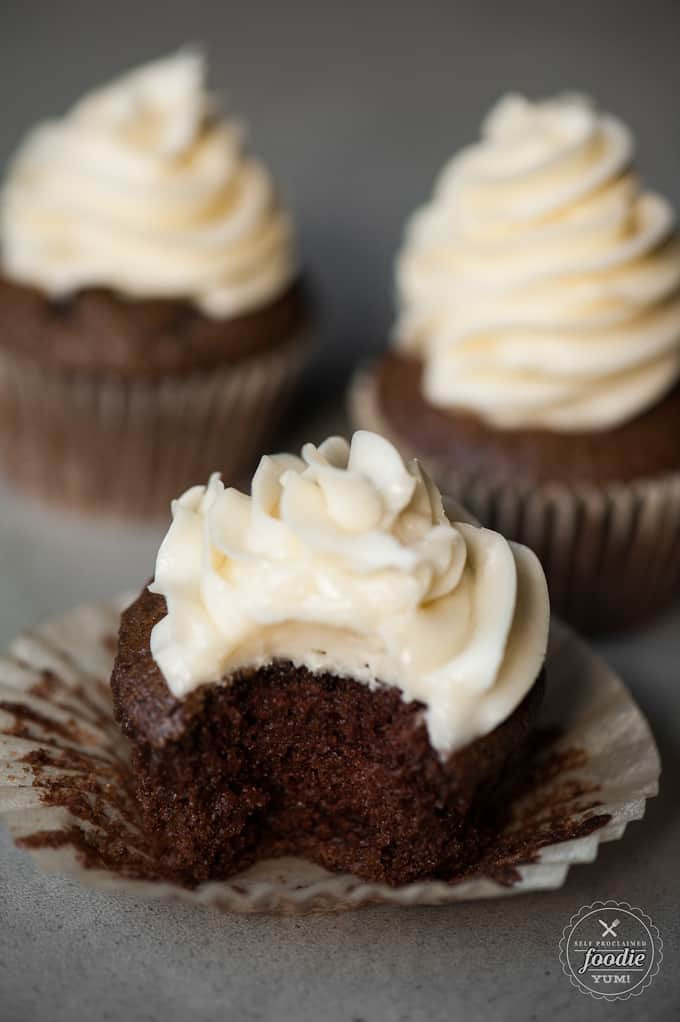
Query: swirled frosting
344 561
541 285
143 188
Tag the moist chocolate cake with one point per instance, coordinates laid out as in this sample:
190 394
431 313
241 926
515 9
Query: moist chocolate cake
99 331
648 445
272 711
282 761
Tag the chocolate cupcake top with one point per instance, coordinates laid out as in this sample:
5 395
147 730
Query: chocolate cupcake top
344 561
143 188
541 284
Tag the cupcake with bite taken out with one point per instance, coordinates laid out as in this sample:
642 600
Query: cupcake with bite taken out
328 667
536 354
152 316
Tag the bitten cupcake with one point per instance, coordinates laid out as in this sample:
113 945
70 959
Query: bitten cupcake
536 354
152 317
329 668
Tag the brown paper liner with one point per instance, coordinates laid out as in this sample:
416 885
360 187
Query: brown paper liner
611 553
66 789
126 447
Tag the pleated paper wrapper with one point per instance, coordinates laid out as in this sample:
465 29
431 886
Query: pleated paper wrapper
66 786
125 447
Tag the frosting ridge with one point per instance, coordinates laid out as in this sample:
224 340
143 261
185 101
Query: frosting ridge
344 561
144 188
541 284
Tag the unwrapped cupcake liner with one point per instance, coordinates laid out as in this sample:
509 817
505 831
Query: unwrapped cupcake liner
611 552
66 787
126 446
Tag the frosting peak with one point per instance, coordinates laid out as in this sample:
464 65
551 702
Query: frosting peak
541 285
144 188
157 109
345 561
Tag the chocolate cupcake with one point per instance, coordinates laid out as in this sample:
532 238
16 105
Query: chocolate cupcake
152 317
536 355
329 668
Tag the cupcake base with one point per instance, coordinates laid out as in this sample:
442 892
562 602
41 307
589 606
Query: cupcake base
609 540
66 785
115 405
282 761
646 446
125 446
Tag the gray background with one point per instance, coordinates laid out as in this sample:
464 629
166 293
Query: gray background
355 106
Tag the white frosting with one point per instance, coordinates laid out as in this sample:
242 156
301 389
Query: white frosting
541 285
143 188
345 561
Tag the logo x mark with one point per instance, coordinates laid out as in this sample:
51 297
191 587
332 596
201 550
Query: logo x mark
607 930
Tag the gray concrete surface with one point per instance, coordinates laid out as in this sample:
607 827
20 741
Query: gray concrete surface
355 106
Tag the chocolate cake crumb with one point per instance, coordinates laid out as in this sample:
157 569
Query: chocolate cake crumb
54 729
284 761
491 820
505 841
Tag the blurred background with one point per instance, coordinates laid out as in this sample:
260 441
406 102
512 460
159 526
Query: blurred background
355 106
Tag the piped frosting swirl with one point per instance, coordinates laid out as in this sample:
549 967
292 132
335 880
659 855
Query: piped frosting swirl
345 561
541 285
144 188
